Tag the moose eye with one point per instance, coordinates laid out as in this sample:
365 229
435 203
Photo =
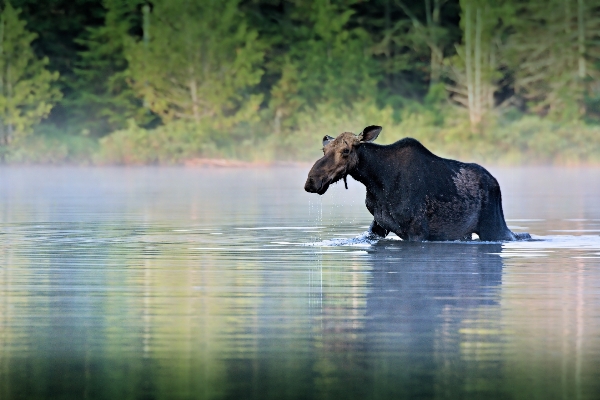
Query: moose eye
345 152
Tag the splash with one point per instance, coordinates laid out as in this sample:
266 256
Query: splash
365 239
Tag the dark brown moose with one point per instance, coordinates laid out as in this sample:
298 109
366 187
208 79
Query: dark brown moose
412 192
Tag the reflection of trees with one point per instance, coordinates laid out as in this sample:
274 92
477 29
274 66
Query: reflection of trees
305 319
172 321
76 310
130 310
549 309
7 317
339 338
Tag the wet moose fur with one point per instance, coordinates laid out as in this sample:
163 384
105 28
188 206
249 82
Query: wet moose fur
411 191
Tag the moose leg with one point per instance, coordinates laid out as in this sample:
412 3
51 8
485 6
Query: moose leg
377 230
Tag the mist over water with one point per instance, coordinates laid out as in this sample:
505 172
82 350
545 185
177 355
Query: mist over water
175 283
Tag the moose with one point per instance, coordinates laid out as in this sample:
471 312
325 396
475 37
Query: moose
411 191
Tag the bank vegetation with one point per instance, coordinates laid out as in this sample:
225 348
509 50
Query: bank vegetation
164 82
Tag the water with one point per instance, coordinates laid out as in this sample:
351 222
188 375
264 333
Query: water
158 283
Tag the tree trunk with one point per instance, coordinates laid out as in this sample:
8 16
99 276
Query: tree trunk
436 71
581 38
568 21
194 96
428 13
2 130
478 60
436 12
8 96
146 38
277 122
492 67
469 64
390 48
437 55
2 142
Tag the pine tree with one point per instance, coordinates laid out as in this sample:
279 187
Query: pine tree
430 33
323 60
26 91
553 53
411 41
103 100
58 24
200 61
475 70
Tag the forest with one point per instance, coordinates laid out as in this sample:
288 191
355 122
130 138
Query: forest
168 81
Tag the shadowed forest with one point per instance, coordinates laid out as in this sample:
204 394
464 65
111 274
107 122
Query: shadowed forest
168 81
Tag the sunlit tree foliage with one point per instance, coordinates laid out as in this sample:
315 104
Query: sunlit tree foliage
322 60
554 51
103 100
192 78
199 60
26 91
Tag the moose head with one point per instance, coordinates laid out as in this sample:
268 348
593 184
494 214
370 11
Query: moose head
339 159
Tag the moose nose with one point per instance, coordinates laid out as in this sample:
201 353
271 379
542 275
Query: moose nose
309 186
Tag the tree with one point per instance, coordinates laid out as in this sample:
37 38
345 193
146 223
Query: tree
475 70
103 99
553 56
322 59
58 24
200 61
26 91
432 34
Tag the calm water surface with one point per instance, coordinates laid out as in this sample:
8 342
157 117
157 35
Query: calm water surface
158 283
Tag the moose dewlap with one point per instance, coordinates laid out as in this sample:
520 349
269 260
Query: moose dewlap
411 191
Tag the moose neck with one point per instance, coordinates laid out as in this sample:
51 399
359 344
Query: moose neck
369 168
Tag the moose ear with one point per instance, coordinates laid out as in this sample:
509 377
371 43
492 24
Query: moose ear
370 133
327 139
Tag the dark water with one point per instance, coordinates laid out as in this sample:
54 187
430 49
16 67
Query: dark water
236 284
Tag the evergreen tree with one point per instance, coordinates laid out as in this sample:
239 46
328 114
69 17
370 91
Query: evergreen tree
201 60
429 33
322 59
475 70
103 99
553 54
26 91
411 39
58 24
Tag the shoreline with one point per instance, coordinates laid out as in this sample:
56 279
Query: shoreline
232 163
226 163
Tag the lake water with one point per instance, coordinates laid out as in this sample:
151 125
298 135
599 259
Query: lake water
175 283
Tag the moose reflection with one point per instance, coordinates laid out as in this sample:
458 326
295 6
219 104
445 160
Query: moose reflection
421 295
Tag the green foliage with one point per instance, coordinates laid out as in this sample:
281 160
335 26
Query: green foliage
553 50
167 144
475 70
200 61
103 101
331 59
58 24
326 62
49 145
182 140
167 81
525 140
26 94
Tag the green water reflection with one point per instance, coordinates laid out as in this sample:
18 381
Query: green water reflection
140 292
